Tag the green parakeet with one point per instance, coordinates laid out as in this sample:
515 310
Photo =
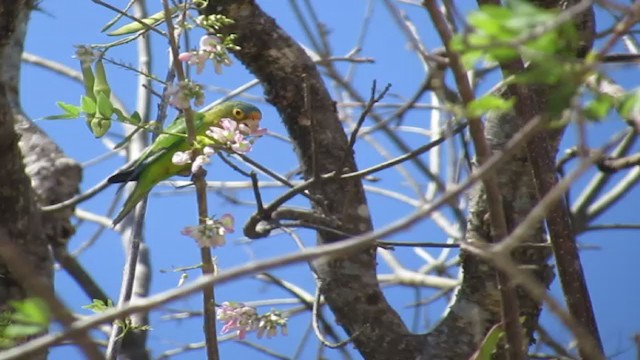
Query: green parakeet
155 163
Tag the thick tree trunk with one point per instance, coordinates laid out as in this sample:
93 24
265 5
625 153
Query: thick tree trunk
349 285
33 169
20 222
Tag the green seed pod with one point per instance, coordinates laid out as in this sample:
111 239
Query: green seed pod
101 85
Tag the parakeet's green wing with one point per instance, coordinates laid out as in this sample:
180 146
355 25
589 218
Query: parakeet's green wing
173 134
167 139
155 168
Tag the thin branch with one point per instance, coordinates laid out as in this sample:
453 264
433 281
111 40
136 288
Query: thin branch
389 245
263 349
558 217
315 314
373 99
128 277
209 301
611 165
250 226
510 307
146 26
79 274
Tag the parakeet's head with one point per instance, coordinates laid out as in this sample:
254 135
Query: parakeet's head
242 113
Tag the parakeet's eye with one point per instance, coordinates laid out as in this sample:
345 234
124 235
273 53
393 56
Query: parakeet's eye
238 113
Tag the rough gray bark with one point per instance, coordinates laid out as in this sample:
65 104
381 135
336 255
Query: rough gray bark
54 176
34 170
292 84
20 220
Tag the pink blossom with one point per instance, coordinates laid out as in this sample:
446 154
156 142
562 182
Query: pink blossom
246 130
226 134
242 319
252 128
238 317
233 135
184 157
199 162
240 145
210 43
211 233
210 48
196 59
180 95
227 222
181 157
208 150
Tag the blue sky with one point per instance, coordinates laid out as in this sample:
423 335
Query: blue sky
54 31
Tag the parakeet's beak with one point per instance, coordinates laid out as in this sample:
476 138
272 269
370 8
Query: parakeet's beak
256 116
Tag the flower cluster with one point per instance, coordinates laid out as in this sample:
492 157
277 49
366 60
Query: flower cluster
269 324
181 94
184 157
228 135
237 137
211 233
211 48
241 318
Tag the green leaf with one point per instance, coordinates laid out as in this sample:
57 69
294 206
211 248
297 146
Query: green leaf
120 115
497 30
599 107
70 112
126 140
99 306
112 22
22 330
489 20
87 105
487 103
135 26
563 95
121 41
69 109
59 117
489 343
105 108
31 317
135 118
629 107
31 310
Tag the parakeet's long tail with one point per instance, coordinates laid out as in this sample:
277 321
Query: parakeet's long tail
146 176
124 176
133 199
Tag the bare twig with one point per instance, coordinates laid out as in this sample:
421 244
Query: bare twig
146 26
208 267
79 274
558 218
315 314
510 306
128 277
